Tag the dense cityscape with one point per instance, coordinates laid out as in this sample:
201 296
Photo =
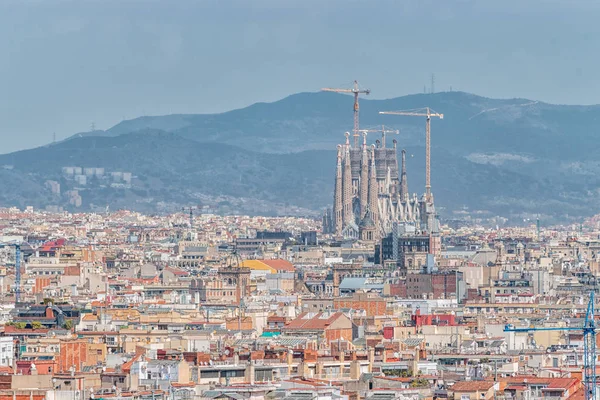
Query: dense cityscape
378 299
194 206
125 305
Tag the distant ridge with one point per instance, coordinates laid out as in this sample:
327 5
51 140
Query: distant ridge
506 157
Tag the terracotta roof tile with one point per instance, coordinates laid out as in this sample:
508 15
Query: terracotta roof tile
471 386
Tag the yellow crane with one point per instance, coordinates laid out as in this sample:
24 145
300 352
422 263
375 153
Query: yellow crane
355 90
428 113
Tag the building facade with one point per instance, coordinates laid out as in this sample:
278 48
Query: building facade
368 183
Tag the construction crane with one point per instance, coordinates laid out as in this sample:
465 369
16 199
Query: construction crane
383 131
355 90
428 113
17 247
589 345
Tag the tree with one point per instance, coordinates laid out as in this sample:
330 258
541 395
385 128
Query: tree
20 325
419 382
36 325
68 324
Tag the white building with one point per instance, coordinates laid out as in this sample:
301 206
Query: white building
6 351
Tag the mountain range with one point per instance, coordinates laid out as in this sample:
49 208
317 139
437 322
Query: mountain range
514 157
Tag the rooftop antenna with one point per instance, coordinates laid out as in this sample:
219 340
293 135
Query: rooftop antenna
432 83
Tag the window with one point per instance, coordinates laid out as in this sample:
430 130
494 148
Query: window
209 374
232 374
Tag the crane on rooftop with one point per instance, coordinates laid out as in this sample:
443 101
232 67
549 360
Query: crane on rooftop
428 113
589 345
355 90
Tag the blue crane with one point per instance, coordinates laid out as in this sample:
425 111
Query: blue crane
17 247
589 345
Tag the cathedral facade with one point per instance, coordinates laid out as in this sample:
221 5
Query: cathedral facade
371 194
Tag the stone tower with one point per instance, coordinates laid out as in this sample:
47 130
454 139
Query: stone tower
347 187
373 189
364 178
403 179
338 218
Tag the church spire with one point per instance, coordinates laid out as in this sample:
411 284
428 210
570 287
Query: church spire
347 186
364 177
373 189
338 204
403 179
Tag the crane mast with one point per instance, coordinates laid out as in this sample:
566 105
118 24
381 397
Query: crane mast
589 345
427 113
355 90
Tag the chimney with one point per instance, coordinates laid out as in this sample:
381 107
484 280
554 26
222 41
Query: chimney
250 372
415 363
355 369
304 370
289 358
318 369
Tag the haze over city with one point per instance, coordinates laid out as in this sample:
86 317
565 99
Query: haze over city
67 64
299 200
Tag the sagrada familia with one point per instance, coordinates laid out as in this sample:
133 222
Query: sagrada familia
371 196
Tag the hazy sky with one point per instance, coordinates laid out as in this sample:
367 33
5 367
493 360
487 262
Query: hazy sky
64 64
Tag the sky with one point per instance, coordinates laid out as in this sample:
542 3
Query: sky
65 65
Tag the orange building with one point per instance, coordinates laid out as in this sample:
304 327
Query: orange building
40 284
327 325
79 353
236 323
372 303
23 394
42 367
